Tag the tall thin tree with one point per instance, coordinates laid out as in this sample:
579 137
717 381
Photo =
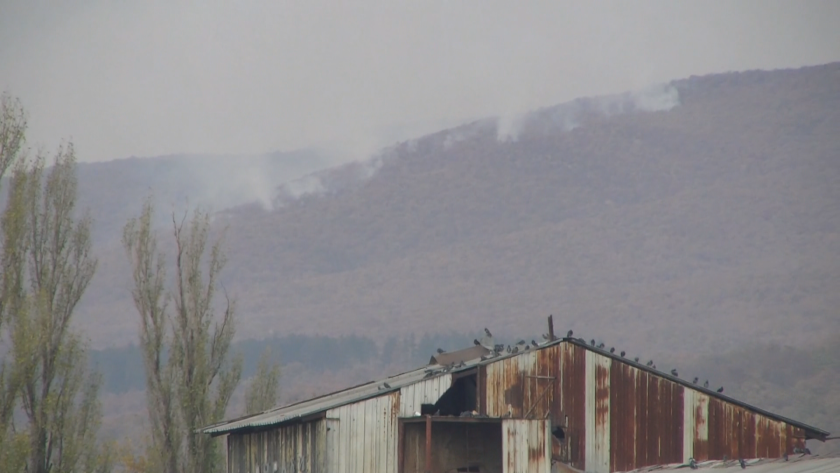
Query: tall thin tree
47 265
263 389
190 375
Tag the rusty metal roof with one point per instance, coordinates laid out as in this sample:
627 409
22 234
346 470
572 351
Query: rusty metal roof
301 410
806 464
304 409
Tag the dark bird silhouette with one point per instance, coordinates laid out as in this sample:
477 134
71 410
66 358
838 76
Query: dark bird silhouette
569 334
441 350
720 389
674 372
636 359
650 363
592 342
508 349
487 332
742 463
387 386
521 342
515 349
546 336
692 463
612 349
695 380
476 342
706 384
622 353
601 345
654 366
534 342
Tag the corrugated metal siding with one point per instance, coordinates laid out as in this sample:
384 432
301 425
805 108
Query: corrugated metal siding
569 404
423 392
367 435
289 449
738 433
526 446
597 413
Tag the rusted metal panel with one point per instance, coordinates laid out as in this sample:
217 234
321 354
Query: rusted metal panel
569 404
367 438
427 391
597 413
624 416
526 446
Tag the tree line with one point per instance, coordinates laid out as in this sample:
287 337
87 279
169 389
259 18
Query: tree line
49 397
122 367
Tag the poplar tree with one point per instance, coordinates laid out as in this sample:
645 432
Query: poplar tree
262 391
49 408
185 338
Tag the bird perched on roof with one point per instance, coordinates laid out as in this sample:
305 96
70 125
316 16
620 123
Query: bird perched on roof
650 363
706 384
487 332
622 353
636 359
695 380
612 349
521 342
674 372
441 350
534 342
387 386
476 342
592 342
515 349
508 349
601 345
569 334
720 389
546 336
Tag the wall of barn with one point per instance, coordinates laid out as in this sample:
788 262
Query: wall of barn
427 391
615 416
524 445
288 449
365 436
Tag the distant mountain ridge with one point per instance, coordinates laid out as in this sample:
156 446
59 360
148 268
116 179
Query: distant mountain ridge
714 219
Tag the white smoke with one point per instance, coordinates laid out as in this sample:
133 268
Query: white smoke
568 116
509 126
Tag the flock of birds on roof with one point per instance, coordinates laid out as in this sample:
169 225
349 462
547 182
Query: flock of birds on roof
499 348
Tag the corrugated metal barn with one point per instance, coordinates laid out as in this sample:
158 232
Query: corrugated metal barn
477 410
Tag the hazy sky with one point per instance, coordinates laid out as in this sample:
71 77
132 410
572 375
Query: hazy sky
145 78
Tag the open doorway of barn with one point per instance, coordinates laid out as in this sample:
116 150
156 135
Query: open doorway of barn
451 444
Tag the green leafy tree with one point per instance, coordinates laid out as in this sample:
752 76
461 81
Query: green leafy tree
190 376
49 400
262 391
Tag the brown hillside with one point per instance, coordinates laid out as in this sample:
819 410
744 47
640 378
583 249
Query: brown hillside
690 229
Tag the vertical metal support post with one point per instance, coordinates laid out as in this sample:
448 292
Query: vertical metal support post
401 448
551 328
428 444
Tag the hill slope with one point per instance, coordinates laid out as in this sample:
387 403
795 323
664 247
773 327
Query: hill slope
685 229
